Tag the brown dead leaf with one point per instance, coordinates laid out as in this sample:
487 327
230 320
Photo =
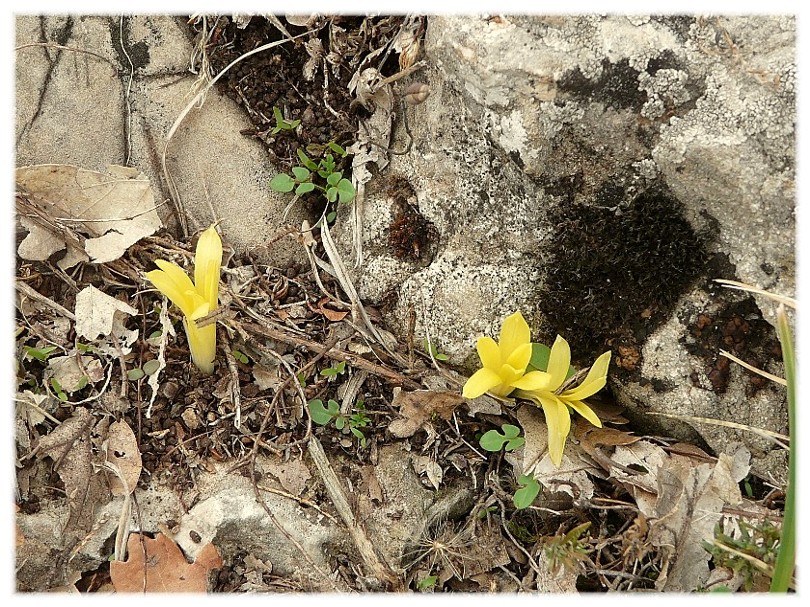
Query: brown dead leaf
372 484
329 313
417 407
122 451
119 208
157 565
592 440
69 447
293 475
684 501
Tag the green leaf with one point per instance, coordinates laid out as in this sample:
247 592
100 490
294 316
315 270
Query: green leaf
426 582
83 381
540 355
135 374
510 431
539 359
331 194
331 216
341 366
240 357
524 496
84 348
305 187
292 125
340 422
278 115
515 443
306 161
324 173
345 190
301 173
282 183
492 440
320 415
337 149
150 367
334 178
41 354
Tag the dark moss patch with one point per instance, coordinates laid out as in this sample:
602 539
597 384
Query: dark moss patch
137 53
666 60
739 329
616 86
617 269
410 235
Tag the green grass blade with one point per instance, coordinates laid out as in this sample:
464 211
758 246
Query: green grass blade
786 560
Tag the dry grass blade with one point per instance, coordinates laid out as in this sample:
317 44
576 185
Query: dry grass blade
734 284
200 94
767 434
342 277
753 369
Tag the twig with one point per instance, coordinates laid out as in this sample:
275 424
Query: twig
753 369
37 296
300 500
375 563
339 355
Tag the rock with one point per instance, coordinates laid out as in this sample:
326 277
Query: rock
597 172
116 104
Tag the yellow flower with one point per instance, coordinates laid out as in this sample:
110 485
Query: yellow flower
555 405
196 299
504 362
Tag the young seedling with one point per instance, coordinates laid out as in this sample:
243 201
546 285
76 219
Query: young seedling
242 358
529 489
567 550
57 388
335 370
429 347
494 440
322 176
281 124
40 354
322 415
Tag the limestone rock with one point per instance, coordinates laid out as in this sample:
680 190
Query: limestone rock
116 103
596 172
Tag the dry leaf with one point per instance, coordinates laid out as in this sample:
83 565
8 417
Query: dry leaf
684 500
69 371
122 452
267 379
374 135
40 243
95 312
424 464
119 207
571 476
417 407
69 447
330 314
33 414
162 568
372 484
293 475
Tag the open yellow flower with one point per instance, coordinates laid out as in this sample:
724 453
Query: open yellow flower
504 362
196 299
555 405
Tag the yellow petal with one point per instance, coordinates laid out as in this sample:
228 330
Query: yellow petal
203 345
593 382
481 381
176 274
207 262
533 380
488 352
520 357
514 333
558 421
585 411
558 362
164 283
